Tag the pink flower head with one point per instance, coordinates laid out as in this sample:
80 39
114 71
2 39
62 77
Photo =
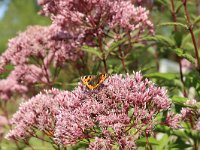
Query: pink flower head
10 86
110 114
173 120
39 112
190 114
38 43
28 74
93 17
129 17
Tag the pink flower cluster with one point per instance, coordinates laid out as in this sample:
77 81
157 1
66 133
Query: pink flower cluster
191 115
129 17
121 110
35 51
32 53
96 16
173 120
40 43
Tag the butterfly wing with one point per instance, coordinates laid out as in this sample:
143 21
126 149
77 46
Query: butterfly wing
97 80
103 77
92 81
86 79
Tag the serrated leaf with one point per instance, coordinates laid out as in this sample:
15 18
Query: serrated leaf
179 100
173 24
92 50
160 39
167 76
188 37
180 52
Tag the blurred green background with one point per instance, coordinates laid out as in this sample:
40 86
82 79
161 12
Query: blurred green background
15 16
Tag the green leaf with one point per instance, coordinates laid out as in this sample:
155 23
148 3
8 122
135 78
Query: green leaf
181 53
179 100
180 133
115 44
178 36
166 76
163 142
188 37
178 146
96 68
197 19
79 146
92 50
197 105
173 24
193 80
39 145
179 7
151 140
161 39
162 2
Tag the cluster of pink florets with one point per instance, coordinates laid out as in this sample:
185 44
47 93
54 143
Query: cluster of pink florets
74 24
31 54
96 15
121 107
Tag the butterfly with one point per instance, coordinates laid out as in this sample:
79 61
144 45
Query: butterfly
93 81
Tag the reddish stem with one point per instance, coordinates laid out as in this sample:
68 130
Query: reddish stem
190 28
173 12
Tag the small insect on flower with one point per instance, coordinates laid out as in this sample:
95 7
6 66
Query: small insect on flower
93 81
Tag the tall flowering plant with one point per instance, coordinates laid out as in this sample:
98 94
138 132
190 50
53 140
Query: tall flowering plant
115 109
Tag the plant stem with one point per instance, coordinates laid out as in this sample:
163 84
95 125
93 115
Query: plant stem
190 28
173 12
103 55
181 76
122 58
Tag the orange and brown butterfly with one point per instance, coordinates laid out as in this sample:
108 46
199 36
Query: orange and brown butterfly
93 81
